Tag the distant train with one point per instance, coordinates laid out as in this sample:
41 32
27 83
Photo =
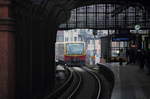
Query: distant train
73 53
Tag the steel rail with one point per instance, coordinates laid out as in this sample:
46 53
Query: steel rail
78 86
97 78
58 90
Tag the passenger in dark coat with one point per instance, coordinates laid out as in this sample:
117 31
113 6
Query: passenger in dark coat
141 58
127 56
131 54
121 56
147 61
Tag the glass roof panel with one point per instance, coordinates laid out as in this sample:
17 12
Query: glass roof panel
106 16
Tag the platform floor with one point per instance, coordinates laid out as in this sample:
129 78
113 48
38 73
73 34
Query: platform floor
130 83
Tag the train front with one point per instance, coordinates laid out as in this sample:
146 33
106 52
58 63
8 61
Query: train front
75 53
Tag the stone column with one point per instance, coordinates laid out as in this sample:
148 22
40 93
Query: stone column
6 52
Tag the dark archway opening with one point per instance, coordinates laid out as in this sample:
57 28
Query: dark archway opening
35 39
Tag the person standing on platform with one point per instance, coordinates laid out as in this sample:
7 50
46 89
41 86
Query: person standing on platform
147 59
132 56
128 56
121 56
141 58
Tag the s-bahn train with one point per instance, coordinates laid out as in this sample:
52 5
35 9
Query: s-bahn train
73 53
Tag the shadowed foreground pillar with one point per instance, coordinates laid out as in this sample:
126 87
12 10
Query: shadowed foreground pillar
6 53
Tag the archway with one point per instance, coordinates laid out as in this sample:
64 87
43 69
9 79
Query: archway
36 33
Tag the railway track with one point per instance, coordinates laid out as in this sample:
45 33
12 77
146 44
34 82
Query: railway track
60 90
81 84
74 87
91 86
98 81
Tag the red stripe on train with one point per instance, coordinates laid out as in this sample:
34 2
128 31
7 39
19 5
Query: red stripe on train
66 58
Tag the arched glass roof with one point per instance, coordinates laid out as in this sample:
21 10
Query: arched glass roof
107 16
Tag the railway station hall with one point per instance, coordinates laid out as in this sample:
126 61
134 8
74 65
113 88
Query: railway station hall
74 49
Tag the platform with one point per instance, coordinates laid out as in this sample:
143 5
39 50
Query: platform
130 82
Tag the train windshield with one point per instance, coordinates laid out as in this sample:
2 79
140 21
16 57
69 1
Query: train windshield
75 48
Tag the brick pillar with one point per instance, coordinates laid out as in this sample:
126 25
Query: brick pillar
6 52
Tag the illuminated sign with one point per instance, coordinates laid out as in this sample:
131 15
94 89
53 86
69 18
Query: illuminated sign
120 39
